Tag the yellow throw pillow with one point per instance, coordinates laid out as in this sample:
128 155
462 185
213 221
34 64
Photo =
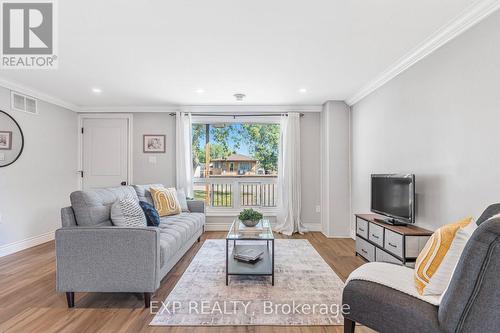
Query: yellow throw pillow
434 251
165 200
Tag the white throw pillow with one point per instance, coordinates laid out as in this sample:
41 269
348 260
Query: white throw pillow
181 197
442 277
128 213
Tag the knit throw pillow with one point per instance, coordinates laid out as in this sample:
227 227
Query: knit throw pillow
165 200
127 213
431 257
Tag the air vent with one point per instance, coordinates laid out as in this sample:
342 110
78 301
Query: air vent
20 102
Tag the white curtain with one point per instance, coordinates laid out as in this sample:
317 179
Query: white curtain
184 164
289 185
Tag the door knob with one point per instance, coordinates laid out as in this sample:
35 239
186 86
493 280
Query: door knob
123 183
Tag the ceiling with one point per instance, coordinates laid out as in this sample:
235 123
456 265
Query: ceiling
154 52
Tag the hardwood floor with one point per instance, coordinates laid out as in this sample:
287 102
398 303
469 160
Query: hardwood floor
29 302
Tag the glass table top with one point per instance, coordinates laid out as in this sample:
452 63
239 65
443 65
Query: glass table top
262 231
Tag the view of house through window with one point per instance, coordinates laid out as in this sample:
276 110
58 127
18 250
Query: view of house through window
236 164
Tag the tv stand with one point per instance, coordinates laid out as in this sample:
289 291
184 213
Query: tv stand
376 240
389 221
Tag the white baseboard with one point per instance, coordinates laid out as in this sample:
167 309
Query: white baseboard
26 243
221 226
313 226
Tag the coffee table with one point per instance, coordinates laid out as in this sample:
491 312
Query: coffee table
261 238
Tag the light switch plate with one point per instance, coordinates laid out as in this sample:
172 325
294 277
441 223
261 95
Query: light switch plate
152 159
318 209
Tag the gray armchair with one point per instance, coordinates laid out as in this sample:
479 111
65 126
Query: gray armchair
470 304
94 256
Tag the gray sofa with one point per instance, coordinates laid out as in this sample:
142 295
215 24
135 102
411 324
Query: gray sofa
470 304
95 256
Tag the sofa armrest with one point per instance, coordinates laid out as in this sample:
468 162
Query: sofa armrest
196 206
108 259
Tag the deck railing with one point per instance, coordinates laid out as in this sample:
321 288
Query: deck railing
237 192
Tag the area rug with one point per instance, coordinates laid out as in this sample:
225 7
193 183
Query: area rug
306 291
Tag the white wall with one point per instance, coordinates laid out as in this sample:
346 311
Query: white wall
335 214
439 120
144 170
38 184
310 170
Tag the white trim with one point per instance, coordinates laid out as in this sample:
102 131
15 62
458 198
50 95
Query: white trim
467 19
38 95
314 227
130 148
26 243
231 212
206 108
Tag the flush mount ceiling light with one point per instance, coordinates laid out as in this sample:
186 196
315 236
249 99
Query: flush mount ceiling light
239 97
96 90
200 91
302 90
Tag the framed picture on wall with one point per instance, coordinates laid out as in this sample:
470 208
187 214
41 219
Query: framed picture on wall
5 140
153 143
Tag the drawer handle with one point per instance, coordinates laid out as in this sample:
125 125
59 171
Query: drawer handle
361 229
363 250
375 236
392 245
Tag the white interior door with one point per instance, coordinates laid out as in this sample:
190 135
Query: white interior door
104 152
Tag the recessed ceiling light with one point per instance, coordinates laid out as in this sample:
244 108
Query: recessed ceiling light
200 91
239 97
302 90
96 90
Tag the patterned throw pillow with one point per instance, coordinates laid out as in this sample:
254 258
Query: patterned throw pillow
165 200
434 252
127 213
151 213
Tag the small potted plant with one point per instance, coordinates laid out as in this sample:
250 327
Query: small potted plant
250 217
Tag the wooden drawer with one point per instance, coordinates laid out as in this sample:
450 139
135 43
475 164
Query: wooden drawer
381 255
362 228
365 249
376 234
394 243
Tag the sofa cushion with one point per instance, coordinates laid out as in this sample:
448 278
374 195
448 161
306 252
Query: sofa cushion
176 230
93 207
165 200
127 213
152 217
143 192
181 197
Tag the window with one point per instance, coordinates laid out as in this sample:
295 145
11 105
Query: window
236 164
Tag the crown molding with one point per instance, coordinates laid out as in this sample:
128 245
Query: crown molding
38 95
129 109
475 13
205 108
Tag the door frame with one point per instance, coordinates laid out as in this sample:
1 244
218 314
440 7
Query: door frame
129 117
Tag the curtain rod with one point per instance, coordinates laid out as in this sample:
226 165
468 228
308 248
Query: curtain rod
237 115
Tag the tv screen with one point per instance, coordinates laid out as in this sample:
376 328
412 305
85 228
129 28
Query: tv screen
393 196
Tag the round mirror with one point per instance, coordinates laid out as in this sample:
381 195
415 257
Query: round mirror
11 140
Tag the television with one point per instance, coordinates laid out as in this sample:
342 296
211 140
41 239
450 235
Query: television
394 196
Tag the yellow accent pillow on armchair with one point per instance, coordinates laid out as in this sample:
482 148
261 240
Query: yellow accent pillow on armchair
165 201
434 251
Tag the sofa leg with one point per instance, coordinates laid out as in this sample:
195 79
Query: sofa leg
70 298
349 325
147 300
199 239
